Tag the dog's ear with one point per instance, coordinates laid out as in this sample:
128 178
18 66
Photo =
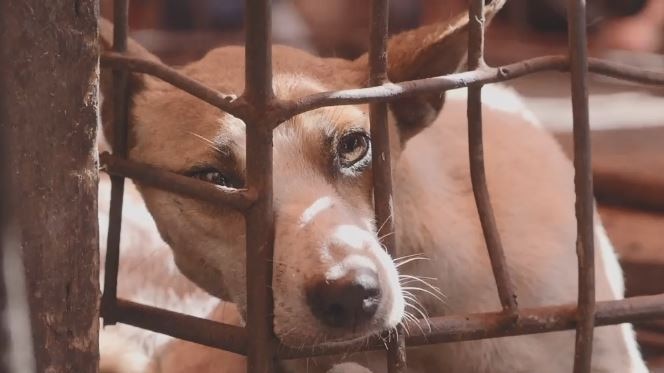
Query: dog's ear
428 51
136 83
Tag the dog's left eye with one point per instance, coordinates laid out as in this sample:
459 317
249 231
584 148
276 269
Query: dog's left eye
352 148
212 176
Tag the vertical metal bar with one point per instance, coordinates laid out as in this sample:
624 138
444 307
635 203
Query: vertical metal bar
583 184
382 171
258 53
476 153
261 353
120 118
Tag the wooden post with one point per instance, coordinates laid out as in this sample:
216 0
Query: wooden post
48 116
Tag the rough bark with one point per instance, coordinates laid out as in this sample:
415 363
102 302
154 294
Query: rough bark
49 113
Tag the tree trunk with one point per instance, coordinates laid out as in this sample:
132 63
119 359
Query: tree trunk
48 115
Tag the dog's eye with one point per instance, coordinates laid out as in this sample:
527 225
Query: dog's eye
352 148
212 176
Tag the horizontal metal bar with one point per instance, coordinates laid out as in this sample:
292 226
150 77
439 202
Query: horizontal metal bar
393 91
225 102
625 72
194 329
386 92
457 328
239 199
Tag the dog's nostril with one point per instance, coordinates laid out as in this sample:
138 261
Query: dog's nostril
346 302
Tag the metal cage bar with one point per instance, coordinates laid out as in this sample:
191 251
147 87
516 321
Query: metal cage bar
261 353
381 162
262 112
494 246
170 75
120 117
239 199
583 185
385 92
458 328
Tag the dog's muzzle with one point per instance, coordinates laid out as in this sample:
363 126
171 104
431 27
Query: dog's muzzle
348 302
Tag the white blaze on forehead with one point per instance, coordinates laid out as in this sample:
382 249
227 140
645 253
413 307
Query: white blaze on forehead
316 208
351 236
350 262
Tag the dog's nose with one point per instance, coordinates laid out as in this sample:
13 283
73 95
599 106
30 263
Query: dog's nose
346 302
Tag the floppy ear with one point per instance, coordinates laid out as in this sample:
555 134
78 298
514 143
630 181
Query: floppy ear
432 50
136 82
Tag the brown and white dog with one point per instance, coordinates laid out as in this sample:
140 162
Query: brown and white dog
332 281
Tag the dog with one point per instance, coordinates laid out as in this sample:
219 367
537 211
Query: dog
333 282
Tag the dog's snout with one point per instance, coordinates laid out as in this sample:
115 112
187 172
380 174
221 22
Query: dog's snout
347 302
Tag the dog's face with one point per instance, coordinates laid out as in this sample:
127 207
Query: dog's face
332 279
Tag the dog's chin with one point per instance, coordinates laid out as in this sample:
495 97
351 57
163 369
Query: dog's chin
323 340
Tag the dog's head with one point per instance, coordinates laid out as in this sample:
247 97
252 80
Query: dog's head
332 279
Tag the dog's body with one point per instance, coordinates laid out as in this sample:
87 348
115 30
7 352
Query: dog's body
325 234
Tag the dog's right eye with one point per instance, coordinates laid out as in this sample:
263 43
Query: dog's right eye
352 148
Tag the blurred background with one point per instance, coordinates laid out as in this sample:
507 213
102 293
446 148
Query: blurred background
627 119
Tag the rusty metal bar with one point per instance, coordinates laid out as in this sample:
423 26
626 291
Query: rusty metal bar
239 199
258 53
194 329
583 184
392 91
385 92
120 118
458 328
195 88
476 155
625 72
261 353
381 162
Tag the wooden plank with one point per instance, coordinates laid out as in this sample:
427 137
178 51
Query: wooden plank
49 57
627 166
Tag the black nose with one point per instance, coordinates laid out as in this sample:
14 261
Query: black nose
346 302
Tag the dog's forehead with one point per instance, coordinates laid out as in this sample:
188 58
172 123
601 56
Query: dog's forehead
171 122
223 69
